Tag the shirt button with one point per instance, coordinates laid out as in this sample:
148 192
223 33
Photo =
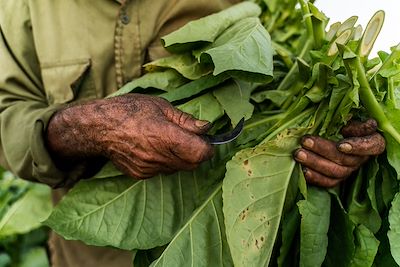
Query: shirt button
125 19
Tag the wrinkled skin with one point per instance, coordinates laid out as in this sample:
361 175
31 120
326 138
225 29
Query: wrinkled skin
327 163
142 135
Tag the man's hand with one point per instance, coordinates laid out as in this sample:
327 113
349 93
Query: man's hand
327 163
142 135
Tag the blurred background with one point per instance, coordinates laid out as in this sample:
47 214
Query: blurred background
340 10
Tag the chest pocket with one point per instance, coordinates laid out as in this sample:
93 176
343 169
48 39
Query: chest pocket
68 81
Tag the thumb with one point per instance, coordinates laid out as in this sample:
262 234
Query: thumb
370 145
187 121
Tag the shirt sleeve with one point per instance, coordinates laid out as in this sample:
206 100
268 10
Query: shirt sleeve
24 110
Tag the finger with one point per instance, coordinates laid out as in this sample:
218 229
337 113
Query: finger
152 168
322 165
358 128
191 147
370 145
127 168
318 179
165 161
137 168
186 121
327 149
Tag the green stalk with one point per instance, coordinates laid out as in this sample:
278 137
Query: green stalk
263 121
285 84
372 105
307 18
319 21
290 123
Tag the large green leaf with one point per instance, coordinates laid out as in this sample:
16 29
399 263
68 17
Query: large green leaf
360 208
27 213
134 214
290 226
204 107
366 247
244 51
341 237
394 232
166 80
207 29
185 64
194 87
315 212
234 98
201 241
254 192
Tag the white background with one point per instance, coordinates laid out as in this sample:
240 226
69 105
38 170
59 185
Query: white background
340 10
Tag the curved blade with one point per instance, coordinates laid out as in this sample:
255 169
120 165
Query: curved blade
224 138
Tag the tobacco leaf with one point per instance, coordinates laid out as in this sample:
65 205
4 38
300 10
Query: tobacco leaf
254 191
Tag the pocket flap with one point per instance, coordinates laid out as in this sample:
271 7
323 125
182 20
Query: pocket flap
61 80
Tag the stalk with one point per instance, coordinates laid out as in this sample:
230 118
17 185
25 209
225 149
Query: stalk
307 18
284 85
319 21
263 121
295 121
372 105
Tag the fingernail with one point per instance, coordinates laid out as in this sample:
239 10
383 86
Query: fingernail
308 143
302 156
202 124
345 147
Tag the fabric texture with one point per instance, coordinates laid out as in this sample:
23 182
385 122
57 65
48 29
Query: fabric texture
55 52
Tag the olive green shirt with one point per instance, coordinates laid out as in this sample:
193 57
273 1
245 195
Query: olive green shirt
53 52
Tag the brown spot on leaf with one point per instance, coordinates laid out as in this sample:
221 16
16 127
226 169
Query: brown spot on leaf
249 172
257 244
246 162
244 214
262 239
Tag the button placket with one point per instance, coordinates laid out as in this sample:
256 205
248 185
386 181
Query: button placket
118 48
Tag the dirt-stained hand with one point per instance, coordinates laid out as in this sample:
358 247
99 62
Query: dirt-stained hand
327 163
142 135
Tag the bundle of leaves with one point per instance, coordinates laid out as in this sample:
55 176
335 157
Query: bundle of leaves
250 205
23 205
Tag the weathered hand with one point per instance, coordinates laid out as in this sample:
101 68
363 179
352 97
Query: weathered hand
142 135
327 163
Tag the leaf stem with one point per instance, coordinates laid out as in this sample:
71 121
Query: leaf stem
307 18
290 123
372 105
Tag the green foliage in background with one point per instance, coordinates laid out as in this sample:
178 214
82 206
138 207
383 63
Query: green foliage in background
23 206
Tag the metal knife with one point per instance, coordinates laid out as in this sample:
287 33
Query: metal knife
227 137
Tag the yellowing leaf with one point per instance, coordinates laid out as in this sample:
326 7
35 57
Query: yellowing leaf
254 192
